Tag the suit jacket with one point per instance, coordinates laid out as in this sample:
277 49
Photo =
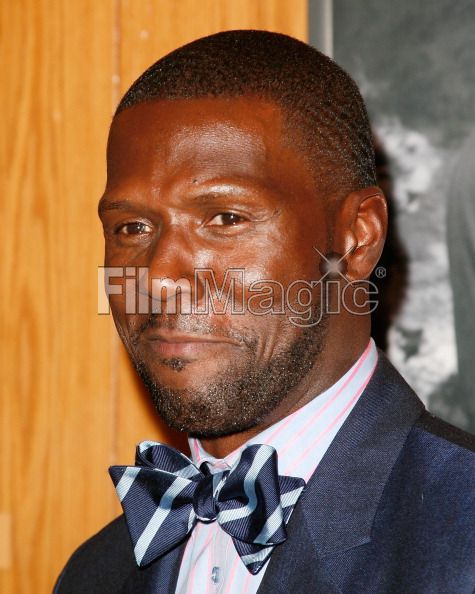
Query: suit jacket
388 510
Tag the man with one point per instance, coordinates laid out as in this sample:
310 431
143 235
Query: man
247 155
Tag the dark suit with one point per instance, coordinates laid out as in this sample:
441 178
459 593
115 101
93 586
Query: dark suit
388 510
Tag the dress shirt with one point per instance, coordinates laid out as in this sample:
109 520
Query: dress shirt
210 563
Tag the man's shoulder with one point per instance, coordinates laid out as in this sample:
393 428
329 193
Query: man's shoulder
444 452
432 429
430 487
101 564
433 448
427 431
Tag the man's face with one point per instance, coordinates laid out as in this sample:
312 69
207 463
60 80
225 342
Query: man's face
212 184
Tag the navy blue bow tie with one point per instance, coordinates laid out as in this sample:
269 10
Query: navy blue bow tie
165 495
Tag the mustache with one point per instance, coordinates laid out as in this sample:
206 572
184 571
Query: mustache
197 325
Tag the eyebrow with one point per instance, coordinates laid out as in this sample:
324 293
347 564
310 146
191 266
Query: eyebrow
217 193
208 196
107 204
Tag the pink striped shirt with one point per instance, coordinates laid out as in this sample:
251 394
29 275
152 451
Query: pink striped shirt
210 564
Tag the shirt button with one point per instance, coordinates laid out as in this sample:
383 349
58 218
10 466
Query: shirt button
215 575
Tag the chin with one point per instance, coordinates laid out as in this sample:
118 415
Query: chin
181 373
211 427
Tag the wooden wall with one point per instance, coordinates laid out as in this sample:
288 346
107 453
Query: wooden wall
70 404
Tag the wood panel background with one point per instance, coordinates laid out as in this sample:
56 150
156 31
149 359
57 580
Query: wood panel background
70 404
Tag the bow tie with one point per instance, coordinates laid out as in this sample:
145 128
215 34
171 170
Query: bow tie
165 495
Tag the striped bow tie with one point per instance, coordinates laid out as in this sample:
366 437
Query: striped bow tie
165 495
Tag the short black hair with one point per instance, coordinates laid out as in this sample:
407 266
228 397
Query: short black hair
319 99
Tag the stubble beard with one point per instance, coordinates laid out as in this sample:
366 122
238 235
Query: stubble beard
244 395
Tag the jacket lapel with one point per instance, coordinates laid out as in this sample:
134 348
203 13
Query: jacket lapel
337 508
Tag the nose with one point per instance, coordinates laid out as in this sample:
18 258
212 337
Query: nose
167 281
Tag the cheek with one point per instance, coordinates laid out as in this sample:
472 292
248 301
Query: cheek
121 319
275 333
266 274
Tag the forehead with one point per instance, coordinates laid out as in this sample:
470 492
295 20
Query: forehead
184 116
246 136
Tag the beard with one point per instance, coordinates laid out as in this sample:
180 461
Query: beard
244 394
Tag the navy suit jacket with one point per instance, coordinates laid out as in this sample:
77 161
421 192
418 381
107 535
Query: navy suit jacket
390 509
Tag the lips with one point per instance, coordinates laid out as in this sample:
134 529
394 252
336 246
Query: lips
168 344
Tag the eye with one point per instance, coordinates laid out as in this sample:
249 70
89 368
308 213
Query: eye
134 228
227 219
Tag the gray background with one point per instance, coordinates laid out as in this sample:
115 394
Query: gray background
414 61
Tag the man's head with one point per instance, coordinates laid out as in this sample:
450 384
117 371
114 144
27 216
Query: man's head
245 156
324 112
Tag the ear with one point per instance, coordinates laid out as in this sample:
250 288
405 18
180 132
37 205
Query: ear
360 230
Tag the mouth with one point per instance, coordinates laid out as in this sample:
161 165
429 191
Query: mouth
172 344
